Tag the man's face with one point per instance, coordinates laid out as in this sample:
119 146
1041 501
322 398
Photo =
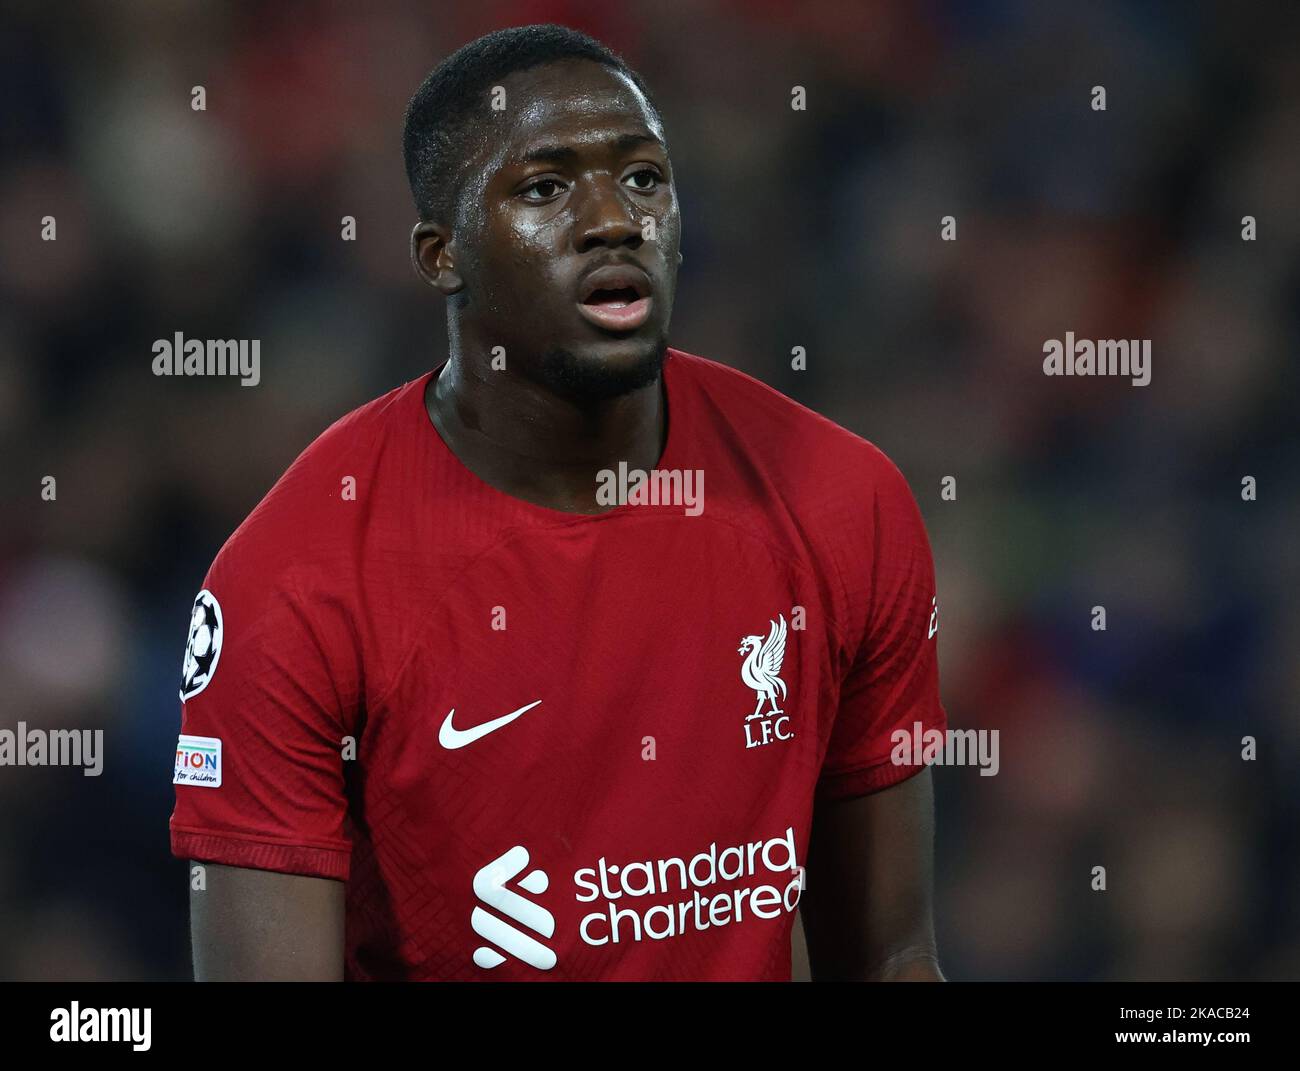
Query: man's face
549 233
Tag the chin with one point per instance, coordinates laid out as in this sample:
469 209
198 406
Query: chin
601 372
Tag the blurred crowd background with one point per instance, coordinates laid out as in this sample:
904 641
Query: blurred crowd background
818 229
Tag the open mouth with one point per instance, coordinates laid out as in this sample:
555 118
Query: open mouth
613 299
618 312
616 298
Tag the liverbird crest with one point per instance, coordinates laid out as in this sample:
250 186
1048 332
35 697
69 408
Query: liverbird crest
761 670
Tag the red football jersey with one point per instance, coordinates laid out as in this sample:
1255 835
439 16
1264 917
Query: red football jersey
541 745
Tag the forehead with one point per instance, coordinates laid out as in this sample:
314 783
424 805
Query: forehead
578 99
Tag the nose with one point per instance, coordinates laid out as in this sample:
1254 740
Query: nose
606 217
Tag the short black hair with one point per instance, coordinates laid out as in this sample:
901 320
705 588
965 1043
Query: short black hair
453 98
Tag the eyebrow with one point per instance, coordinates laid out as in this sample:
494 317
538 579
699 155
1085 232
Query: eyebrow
563 154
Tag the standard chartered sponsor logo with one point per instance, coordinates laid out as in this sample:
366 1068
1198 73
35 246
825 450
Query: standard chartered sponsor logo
763 878
490 887
624 888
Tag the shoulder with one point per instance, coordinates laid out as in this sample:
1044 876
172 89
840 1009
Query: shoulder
312 512
806 454
831 496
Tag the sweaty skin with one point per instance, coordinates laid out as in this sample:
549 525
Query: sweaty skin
573 175
565 183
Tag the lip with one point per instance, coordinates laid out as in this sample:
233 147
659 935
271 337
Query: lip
611 317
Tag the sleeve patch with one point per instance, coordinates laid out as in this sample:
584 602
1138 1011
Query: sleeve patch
198 762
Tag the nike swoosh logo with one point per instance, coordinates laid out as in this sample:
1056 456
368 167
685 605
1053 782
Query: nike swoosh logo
452 738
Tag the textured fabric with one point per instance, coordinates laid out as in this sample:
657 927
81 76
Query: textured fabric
382 596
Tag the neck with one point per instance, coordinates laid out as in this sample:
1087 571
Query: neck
531 443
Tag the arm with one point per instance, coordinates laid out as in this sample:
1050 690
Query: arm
867 907
261 803
259 925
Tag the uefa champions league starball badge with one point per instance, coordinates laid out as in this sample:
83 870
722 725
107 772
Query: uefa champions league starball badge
203 648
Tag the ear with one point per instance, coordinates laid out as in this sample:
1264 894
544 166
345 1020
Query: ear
432 258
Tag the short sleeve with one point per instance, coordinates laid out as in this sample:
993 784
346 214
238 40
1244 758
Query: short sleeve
265 687
892 684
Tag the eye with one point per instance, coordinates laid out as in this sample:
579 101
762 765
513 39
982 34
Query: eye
651 177
542 190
